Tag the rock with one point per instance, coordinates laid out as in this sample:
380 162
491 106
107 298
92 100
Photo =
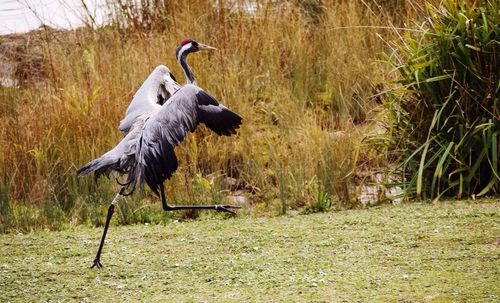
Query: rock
231 183
238 199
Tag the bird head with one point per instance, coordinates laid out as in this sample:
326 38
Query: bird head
188 46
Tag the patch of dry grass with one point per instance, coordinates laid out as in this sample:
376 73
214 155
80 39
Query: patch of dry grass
302 82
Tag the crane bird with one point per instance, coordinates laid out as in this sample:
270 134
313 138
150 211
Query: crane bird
159 117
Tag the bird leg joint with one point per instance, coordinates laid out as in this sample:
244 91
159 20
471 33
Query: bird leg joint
115 199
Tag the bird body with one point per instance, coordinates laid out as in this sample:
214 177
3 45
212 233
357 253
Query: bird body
146 152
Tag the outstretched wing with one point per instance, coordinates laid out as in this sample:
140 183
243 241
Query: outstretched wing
152 94
215 116
142 104
165 129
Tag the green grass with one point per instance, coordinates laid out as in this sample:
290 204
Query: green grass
446 252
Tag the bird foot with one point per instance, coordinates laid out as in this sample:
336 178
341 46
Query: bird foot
226 208
96 263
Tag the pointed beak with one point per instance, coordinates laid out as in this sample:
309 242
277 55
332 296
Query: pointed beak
205 47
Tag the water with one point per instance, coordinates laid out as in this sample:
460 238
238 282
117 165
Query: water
19 16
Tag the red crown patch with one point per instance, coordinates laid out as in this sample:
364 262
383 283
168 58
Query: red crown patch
185 41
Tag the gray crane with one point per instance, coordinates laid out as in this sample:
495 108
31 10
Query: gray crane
160 116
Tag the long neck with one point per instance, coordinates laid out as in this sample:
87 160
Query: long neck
187 70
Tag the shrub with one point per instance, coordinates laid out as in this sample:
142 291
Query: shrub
447 113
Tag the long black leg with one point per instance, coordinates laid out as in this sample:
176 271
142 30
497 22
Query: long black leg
111 210
166 207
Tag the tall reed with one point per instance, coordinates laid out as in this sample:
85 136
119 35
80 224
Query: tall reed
447 114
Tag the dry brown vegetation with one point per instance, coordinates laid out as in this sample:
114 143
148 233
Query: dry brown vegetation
303 74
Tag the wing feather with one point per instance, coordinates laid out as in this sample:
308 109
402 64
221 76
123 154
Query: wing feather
215 116
121 158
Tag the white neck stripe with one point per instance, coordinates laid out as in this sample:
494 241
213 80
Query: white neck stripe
183 49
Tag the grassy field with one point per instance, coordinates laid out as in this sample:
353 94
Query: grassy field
447 252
